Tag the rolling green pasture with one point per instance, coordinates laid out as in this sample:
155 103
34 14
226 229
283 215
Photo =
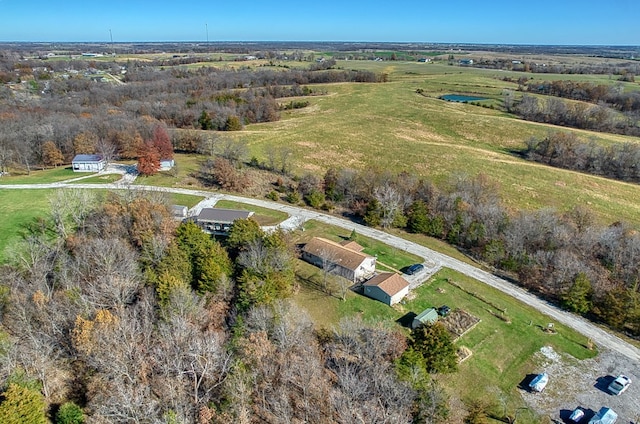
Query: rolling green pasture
502 350
391 127
263 216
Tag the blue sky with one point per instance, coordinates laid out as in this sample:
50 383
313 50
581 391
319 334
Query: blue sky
614 22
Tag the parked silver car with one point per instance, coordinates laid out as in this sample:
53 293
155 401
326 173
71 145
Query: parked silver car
619 385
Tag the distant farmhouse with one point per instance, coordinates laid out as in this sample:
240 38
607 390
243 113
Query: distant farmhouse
88 163
351 264
387 287
219 221
466 62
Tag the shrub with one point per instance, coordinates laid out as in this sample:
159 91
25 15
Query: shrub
315 199
70 413
292 197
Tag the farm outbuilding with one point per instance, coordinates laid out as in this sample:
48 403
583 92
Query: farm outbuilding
387 287
88 163
428 316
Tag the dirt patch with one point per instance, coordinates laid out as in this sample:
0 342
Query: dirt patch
463 354
574 383
459 322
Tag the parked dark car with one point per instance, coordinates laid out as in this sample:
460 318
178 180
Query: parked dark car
414 269
444 310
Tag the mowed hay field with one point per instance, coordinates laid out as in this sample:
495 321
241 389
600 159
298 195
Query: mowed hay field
389 126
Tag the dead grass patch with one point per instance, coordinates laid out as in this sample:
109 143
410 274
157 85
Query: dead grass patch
459 322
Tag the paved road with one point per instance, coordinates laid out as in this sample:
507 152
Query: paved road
433 260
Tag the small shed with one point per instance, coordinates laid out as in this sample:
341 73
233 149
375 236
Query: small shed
179 211
167 164
88 163
428 316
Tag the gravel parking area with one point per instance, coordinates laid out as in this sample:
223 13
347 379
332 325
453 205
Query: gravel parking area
574 383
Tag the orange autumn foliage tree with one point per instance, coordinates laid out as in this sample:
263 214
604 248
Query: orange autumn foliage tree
148 159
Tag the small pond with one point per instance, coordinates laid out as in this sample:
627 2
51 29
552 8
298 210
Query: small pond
461 98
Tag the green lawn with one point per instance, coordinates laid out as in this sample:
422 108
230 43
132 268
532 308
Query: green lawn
19 208
40 176
184 199
180 176
502 352
264 216
99 179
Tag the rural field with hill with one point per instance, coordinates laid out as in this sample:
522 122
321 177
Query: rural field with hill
252 328
390 127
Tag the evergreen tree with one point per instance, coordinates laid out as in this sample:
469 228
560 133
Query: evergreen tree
205 121
210 262
233 124
242 232
433 343
372 214
418 218
69 413
578 297
22 405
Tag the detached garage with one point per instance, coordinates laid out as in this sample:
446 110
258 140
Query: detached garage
387 287
88 163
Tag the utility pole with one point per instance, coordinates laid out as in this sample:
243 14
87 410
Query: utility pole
113 50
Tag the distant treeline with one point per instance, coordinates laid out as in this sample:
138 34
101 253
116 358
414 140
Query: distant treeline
566 150
613 95
618 68
596 117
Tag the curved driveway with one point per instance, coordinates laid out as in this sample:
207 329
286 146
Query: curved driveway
601 337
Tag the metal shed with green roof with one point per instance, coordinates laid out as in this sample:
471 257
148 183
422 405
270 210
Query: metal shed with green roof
428 316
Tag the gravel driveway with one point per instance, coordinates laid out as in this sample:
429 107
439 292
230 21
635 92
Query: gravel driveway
574 383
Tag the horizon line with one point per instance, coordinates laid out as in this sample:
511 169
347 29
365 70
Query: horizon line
203 42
